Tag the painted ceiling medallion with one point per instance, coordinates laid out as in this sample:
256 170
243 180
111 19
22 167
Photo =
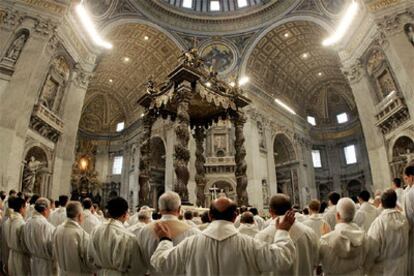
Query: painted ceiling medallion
220 56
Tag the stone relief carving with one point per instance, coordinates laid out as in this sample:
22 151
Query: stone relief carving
262 136
53 88
375 60
16 47
354 72
386 83
409 31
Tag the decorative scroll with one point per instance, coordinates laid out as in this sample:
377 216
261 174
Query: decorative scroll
182 154
241 165
145 161
200 177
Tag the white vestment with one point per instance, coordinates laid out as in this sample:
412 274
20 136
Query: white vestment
203 226
306 243
221 250
58 216
366 214
38 234
318 225
400 197
409 212
90 221
390 231
19 256
149 241
132 220
136 227
114 250
330 216
345 251
190 222
70 246
259 221
248 229
4 246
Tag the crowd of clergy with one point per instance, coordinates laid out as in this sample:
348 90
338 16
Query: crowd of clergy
363 236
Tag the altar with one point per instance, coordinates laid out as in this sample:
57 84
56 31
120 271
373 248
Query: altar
193 97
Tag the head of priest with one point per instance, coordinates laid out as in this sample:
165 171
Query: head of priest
118 209
333 198
223 208
389 199
169 203
74 211
409 175
42 206
279 205
345 210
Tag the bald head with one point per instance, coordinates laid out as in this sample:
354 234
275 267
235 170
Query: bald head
345 210
223 209
247 217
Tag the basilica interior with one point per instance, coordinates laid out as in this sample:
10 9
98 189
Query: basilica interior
245 98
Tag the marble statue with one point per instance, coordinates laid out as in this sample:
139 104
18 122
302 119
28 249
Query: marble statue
31 172
16 47
265 192
49 93
222 193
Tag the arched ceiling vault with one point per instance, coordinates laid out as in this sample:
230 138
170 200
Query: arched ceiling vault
290 63
139 51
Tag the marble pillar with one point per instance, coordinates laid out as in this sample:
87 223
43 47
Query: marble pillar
377 151
16 103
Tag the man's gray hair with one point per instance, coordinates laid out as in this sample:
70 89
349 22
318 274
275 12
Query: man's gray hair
169 202
346 209
73 208
42 204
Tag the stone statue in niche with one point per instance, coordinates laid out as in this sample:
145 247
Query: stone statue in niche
16 47
31 174
222 193
49 93
262 139
265 192
409 31
386 83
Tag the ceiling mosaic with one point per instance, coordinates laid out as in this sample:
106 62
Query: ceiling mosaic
290 63
139 52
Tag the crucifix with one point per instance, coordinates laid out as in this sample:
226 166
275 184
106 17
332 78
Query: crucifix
213 192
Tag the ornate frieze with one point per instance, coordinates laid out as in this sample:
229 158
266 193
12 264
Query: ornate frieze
82 77
44 27
393 112
354 72
46 123
395 24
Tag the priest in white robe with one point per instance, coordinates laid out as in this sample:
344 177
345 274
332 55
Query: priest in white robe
90 221
304 239
346 250
4 247
248 225
390 231
367 213
315 220
70 244
59 215
409 212
260 222
114 250
330 213
38 238
19 256
144 218
397 187
221 249
169 205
